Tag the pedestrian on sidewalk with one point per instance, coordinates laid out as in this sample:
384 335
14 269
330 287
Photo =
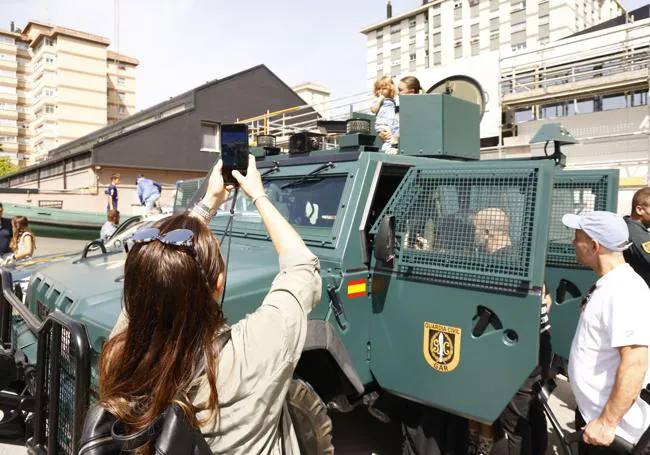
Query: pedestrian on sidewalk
608 363
111 193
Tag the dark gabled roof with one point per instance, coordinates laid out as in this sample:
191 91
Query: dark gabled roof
639 14
86 143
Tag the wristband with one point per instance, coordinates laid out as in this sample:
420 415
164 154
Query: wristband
257 198
204 212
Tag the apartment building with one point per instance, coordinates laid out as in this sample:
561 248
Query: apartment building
56 85
443 31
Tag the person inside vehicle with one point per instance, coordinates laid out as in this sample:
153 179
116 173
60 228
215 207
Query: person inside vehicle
492 231
165 346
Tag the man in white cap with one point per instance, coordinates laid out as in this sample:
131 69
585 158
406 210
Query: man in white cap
608 364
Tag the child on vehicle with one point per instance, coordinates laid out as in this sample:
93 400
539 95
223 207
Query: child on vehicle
386 113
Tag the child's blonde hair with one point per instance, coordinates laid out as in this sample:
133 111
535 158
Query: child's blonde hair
385 82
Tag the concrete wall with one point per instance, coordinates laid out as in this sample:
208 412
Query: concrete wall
86 189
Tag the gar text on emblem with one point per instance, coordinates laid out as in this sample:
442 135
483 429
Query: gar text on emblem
441 346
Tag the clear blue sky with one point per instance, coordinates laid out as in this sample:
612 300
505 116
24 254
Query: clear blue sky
183 43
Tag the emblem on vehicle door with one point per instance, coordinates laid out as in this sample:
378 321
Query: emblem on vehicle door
442 346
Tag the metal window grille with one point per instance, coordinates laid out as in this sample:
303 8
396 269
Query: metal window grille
468 228
573 194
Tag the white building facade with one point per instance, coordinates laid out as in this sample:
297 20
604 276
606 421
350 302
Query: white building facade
441 32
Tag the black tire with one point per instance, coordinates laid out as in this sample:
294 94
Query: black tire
309 417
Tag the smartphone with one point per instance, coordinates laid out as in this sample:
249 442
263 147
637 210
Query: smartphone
234 150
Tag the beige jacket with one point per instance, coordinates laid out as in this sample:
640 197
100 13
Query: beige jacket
258 361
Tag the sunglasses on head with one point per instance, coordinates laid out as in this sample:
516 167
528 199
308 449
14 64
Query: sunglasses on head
177 237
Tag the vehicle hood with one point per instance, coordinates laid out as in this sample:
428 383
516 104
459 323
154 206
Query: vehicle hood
90 291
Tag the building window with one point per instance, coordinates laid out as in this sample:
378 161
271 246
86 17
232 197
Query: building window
396 69
523 115
121 81
412 65
518 17
121 109
121 67
458 50
121 95
639 98
436 39
380 41
436 21
473 8
395 54
395 36
542 9
494 24
494 42
437 58
412 24
411 48
613 102
458 32
412 57
474 30
518 40
50 92
426 58
458 11
209 133
49 59
543 32
517 4
49 42
494 5
380 58
475 47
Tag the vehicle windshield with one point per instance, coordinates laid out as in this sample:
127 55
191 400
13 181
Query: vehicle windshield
310 205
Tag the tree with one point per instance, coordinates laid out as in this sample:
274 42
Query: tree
7 166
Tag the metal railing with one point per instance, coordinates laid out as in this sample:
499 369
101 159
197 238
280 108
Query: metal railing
612 59
285 122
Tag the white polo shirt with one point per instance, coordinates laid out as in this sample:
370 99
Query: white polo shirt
617 315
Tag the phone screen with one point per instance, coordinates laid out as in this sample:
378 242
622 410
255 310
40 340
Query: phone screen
234 150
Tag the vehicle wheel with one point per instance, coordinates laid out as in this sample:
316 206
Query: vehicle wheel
309 416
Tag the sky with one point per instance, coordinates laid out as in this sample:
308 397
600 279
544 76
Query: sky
184 43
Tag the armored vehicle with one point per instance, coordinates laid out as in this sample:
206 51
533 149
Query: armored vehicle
415 305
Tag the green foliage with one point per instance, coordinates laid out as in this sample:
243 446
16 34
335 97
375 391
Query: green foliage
7 166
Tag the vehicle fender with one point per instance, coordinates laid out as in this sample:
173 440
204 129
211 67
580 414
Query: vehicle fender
321 335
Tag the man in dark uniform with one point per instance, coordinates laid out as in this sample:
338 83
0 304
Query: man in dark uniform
5 233
638 254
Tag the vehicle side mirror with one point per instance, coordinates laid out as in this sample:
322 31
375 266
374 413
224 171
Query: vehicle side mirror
384 248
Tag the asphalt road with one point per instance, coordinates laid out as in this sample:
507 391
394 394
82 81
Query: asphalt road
356 433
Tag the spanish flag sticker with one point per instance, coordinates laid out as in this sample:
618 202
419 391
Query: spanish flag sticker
357 288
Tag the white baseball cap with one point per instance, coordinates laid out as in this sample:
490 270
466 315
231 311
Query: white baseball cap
607 228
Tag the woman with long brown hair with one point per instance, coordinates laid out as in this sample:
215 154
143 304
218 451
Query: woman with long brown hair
22 241
172 345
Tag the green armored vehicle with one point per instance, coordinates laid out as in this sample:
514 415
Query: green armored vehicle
414 304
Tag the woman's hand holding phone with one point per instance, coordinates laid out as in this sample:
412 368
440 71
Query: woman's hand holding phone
251 183
217 192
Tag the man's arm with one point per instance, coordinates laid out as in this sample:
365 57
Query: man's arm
627 386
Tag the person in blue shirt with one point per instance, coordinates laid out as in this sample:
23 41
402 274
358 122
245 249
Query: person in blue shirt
111 193
148 192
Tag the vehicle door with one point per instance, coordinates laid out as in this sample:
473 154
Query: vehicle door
456 313
573 192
